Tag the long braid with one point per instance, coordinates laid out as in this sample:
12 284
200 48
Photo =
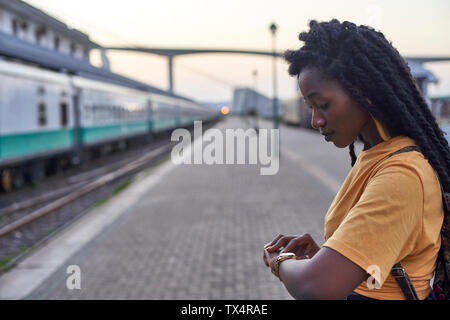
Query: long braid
351 148
426 124
425 115
369 67
416 118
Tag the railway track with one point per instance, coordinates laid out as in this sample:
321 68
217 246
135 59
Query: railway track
73 182
24 225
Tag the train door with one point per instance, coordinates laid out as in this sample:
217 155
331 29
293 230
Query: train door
150 115
76 98
64 114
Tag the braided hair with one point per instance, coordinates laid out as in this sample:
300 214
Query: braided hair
373 72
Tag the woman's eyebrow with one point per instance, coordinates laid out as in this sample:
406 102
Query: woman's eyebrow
312 94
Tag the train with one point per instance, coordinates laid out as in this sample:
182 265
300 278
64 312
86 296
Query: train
50 118
294 111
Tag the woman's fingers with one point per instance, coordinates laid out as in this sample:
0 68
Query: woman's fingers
278 243
267 246
266 262
271 243
297 242
303 246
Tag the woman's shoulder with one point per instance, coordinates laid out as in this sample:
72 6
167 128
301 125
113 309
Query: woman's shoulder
409 168
412 161
403 153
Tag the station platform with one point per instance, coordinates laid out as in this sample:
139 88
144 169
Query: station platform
190 231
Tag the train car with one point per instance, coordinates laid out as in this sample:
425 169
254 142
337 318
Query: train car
165 111
109 113
191 111
50 119
35 120
296 112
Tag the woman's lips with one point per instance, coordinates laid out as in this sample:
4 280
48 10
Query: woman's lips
328 136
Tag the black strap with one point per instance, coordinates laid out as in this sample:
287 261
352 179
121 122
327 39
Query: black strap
397 271
406 149
404 282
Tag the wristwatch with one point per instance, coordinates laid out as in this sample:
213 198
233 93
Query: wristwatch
282 257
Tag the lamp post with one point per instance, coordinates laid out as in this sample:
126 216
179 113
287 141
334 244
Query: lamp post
255 100
273 30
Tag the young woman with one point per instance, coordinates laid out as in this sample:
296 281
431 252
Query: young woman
389 208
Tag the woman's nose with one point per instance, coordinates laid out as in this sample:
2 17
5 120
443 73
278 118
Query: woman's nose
317 120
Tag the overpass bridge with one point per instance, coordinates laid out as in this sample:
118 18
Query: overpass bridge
171 53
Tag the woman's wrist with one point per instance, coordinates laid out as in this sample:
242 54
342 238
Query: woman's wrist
280 258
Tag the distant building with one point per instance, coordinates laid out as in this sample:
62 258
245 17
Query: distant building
423 77
440 107
25 22
246 100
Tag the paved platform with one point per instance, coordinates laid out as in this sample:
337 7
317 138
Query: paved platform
190 231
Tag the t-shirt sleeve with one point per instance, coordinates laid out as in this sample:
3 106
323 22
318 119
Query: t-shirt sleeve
384 225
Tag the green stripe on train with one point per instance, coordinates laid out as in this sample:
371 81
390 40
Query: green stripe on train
161 124
28 143
34 142
92 134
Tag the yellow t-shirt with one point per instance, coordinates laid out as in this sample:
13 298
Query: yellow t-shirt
388 210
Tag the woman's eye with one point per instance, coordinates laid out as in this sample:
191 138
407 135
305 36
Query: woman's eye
324 106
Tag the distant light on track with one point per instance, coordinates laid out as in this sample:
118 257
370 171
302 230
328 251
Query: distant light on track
225 110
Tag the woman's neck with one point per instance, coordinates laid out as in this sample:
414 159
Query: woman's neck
370 135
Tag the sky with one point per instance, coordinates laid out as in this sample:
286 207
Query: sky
415 27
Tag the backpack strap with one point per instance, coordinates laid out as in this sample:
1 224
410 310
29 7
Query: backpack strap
405 149
397 271
404 282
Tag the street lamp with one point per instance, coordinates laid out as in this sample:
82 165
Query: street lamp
273 30
255 100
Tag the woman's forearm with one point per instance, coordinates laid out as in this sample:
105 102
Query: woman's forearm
295 279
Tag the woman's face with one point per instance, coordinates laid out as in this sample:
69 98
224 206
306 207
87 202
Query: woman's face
334 112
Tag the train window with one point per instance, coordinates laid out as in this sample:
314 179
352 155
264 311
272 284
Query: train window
41 91
119 112
24 25
93 112
42 114
64 113
14 26
73 48
39 33
114 113
87 112
86 53
56 43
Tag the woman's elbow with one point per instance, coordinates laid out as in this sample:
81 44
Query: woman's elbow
303 290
